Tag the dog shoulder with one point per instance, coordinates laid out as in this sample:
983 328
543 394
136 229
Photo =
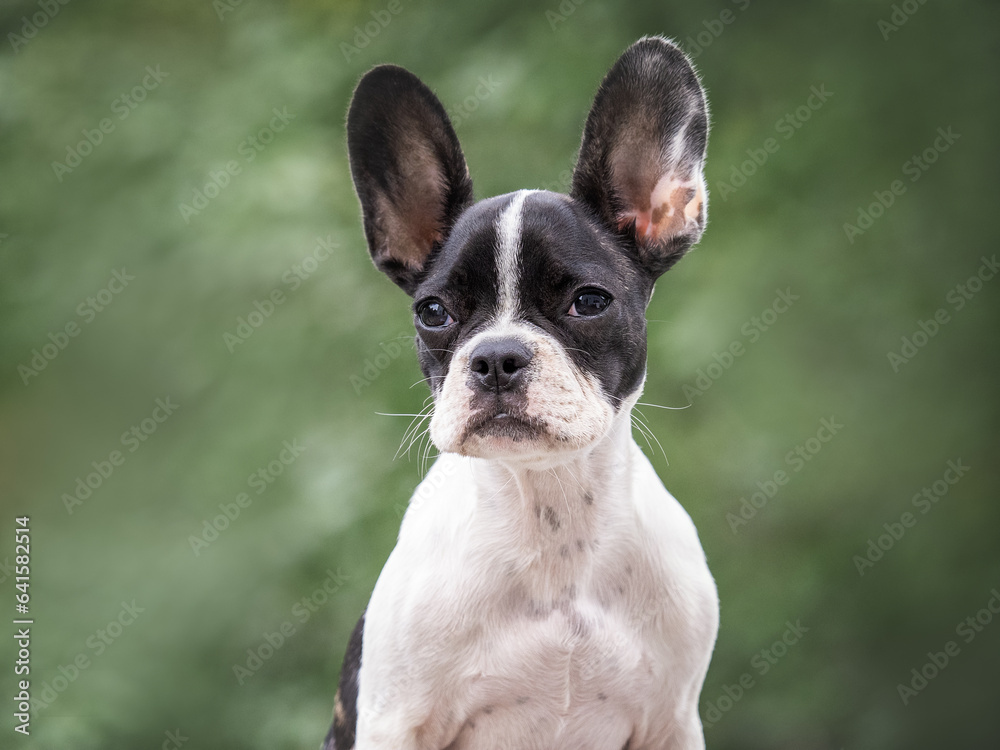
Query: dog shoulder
659 511
669 530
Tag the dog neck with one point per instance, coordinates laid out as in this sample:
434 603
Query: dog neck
555 518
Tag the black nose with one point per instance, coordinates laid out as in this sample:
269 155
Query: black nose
498 364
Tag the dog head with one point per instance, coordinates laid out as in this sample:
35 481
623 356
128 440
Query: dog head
530 307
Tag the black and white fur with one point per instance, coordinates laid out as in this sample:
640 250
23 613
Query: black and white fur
546 592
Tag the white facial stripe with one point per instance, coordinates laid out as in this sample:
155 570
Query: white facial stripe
508 254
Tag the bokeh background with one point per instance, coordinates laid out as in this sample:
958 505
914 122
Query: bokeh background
262 88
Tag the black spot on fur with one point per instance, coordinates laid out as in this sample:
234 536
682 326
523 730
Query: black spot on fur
552 519
537 610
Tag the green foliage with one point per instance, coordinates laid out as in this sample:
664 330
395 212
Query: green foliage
786 173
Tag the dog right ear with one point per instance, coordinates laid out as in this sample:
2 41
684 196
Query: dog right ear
408 169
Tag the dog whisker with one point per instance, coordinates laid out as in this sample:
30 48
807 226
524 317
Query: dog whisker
661 406
638 420
413 431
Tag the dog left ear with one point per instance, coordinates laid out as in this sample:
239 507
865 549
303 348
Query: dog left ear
643 152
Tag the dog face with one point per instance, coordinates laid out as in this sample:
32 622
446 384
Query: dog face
530 328
530 307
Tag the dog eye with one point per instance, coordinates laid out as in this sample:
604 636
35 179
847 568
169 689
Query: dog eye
588 303
433 314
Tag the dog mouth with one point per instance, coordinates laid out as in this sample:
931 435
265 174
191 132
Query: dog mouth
503 424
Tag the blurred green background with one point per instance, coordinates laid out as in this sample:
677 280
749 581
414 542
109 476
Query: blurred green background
174 93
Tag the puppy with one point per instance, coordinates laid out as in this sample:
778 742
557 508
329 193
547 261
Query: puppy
546 592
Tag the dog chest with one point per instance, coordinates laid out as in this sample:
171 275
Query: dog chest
570 673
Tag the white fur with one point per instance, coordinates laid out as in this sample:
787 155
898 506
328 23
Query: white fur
570 403
508 254
513 614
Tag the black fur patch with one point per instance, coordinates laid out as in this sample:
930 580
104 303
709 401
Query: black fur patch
345 713
408 170
563 249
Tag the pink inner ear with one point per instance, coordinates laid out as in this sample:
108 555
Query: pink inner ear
674 207
413 221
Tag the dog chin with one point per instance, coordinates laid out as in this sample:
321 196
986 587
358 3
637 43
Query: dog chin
509 436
